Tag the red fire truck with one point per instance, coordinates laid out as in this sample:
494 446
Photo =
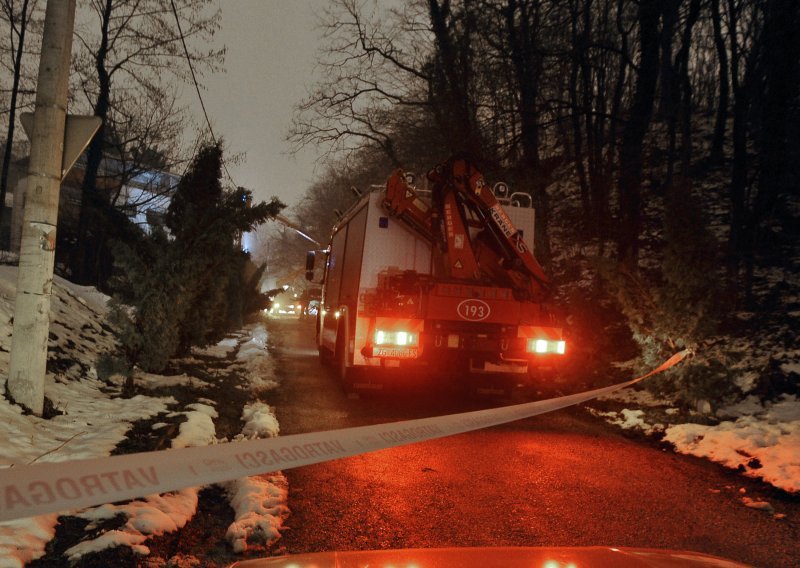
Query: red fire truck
442 280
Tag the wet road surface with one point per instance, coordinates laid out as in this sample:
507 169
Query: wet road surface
560 479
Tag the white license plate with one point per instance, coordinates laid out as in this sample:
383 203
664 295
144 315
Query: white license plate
396 352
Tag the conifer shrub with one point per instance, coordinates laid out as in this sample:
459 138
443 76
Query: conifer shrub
676 304
181 286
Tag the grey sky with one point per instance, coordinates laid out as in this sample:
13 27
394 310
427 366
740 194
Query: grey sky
270 59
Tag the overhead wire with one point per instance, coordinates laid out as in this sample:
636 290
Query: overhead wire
279 218
197 85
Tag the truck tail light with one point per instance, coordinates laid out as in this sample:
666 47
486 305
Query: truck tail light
543 346
398 338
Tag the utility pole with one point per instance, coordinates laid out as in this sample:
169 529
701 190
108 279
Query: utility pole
37 251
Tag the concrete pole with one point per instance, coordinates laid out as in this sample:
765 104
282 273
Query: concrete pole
37 250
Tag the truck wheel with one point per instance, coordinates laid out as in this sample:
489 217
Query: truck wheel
344 373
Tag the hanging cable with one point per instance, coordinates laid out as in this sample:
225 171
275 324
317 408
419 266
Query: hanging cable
197 85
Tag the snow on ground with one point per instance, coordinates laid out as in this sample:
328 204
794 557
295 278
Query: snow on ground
153 515
252 356
760 439
94 420
259 503
260 421
221 350
764 444
260 509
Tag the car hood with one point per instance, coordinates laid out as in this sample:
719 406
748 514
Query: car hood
497 557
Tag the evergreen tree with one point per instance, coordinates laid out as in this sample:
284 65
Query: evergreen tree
184 288
676 306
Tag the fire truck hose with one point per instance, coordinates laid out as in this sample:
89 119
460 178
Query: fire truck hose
30 490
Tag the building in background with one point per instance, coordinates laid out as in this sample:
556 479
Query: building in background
142 195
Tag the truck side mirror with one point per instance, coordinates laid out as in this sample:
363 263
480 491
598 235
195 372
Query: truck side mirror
310 258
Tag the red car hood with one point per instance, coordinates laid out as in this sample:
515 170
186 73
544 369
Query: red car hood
497 557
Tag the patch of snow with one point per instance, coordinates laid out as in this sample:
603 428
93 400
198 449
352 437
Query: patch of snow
746 381
793 367
629 419
787 409
260 421
260 509
87 295
260 503
198 430
92 423
153 515
254 357
24 540
750 405
221 350
760 505
765 446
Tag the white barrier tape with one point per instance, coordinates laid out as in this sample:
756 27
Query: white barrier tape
26 491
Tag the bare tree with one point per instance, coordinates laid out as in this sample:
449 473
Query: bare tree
373 65
724 85
630 164
743 27
129 53
19 23
599 62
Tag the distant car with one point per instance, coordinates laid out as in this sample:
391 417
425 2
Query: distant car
286 304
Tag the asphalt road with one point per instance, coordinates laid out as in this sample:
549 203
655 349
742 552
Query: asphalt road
561 479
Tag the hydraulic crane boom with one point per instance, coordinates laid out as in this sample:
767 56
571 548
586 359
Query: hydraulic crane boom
471 234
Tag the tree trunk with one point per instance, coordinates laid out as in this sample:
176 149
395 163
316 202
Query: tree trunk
527 63
670 88
741 104
616 105
781 73
716 155
12 112
682 64
84 256
630 158
577 134
450 88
